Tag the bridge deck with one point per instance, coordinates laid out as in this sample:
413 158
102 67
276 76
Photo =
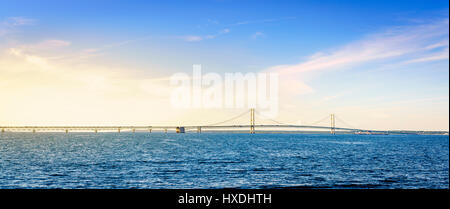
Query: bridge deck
191 127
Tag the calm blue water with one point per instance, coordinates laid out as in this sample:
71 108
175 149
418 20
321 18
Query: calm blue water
210 160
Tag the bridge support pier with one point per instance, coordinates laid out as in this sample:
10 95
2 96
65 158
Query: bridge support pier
3 130
333 125
118 130
149 130
252 121
95 130
133 130
67 131
199 129
34 131
165 130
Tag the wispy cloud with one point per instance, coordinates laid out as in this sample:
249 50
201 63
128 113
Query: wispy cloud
10 24
37 61
261 21
29 52
16 21
397 46
442 55
257 35
95 51
194 38
55 86
213 22
335 96
417 43
48 44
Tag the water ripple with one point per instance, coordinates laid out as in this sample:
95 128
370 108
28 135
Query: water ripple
213 160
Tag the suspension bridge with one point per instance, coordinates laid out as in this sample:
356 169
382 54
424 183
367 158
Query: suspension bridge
251 127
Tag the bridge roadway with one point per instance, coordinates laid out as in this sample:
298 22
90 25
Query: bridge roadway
165 128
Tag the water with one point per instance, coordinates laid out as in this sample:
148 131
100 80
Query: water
212 160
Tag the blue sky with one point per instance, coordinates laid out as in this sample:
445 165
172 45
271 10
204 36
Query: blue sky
396 71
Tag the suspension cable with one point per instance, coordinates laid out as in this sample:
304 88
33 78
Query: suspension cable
345 123
321 120
228 120
257 113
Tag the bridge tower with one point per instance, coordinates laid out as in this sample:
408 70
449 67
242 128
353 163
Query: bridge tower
333 124
252 120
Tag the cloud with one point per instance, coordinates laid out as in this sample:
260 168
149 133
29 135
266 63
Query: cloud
396 46
401 42
17 21
432 57
10 24
335 96
84 53
31 52
38 61
196 38
193 38
214 22
443 43
257 35
261 21
48 44
84 93
34 59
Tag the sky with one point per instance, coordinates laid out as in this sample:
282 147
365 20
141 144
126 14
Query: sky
374 64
